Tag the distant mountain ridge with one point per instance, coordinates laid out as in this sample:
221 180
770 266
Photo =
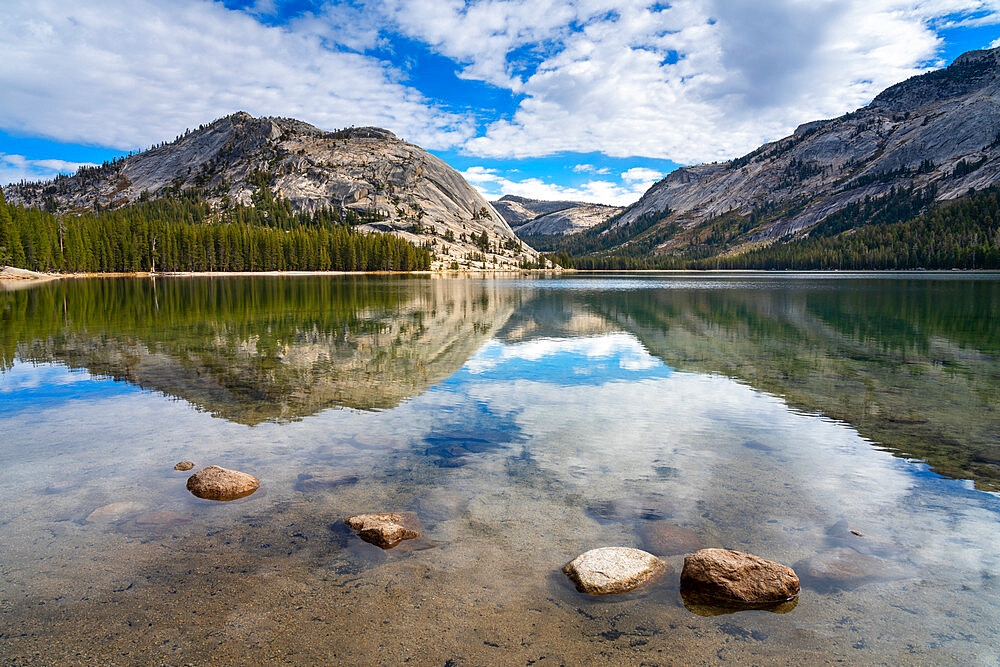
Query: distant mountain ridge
538 217
367 174
931 137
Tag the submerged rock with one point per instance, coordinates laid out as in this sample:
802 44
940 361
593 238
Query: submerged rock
184 465
113 512
619 510
844 568
610 570
321 481
704 606
841 534
216 483
666 539
737 577
384 530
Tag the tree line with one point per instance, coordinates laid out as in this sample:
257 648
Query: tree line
181 232
963 234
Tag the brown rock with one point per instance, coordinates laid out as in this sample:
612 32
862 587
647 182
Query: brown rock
665 539
215 483
844 568
113 512
734 576
383 530
702 606
609 570
184 465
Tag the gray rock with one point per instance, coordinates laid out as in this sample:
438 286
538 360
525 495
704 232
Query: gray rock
570 220
530 217
184 465
609 570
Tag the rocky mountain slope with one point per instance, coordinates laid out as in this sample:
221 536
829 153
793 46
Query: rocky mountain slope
367 174
537 217
933 137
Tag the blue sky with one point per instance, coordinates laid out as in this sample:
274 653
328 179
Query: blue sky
578 99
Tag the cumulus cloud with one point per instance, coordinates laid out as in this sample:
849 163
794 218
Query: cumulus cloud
493 185
995 43
697 80
15 168
692 81
129 73
590 169
641 174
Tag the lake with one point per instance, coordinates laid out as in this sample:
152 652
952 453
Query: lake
847 425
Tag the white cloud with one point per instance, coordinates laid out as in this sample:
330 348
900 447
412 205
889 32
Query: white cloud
15 168
129 73
995 43
643 174
493 185
590 169
627 349
697 80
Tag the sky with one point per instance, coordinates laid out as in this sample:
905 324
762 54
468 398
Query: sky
589 100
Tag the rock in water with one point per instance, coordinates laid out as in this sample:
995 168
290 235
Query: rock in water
113 512
665 539
215 483
843 568
613 570
383 530
323 481
184 465
737 577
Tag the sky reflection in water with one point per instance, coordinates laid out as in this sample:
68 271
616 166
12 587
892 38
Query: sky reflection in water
558 407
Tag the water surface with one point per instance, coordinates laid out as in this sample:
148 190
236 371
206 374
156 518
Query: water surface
523 421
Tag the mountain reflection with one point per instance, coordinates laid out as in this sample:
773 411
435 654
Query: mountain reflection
256 350
912 364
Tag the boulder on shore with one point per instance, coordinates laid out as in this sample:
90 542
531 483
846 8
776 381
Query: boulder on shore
216 483
737 577
384 530
609 570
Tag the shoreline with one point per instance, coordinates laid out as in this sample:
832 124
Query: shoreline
10 276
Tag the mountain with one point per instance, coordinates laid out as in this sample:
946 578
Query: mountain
368 175
537 217
930 138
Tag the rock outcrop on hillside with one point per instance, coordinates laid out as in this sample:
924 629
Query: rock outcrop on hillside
940 131
392 186
537 217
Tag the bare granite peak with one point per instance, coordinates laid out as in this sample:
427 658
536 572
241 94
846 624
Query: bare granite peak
391 185
937 133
